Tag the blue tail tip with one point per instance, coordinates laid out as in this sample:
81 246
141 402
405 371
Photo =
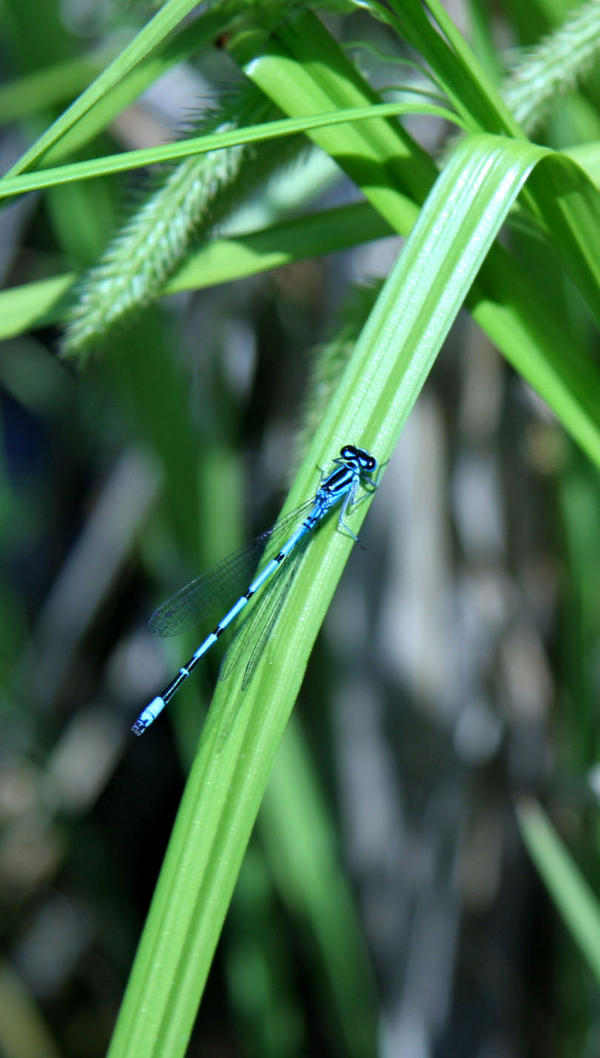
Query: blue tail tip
148 716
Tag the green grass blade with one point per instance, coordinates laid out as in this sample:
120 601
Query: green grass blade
184 43
304 71
170 152
464 80
151 36
222 260
570 892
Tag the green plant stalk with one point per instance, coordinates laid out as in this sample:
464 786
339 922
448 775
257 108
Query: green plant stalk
150 37
392 358
572 895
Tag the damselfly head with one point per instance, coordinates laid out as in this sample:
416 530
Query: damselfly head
361 459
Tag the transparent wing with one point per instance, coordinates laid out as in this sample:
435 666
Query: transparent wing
270 621
259 624
209 596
